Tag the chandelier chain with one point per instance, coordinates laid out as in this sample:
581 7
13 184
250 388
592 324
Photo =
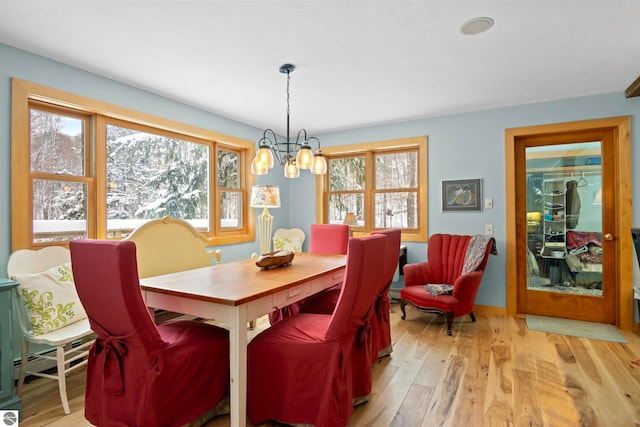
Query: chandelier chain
288 78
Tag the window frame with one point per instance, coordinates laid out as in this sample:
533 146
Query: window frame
26 95
86 178
369 149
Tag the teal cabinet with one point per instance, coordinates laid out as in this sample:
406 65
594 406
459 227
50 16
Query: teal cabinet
8 398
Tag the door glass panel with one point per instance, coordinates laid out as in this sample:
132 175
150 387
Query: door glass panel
564 218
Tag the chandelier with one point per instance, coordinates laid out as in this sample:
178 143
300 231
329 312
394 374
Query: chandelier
292 155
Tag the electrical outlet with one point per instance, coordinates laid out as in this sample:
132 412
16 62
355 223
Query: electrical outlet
488 229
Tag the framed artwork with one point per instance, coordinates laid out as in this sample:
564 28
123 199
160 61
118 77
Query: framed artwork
462 195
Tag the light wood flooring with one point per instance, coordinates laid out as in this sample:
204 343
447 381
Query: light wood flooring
493 372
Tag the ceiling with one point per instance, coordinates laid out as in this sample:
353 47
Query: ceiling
359 63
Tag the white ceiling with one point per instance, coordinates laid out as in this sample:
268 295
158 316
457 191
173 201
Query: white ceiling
358 63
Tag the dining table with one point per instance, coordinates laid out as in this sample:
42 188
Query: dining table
237 292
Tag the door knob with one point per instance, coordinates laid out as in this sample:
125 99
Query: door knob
608 236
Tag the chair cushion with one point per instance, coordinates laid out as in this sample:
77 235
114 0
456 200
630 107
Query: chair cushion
419 297
50 299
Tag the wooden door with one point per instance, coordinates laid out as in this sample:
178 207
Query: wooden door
564 269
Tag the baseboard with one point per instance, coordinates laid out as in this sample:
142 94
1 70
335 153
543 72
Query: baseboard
489 310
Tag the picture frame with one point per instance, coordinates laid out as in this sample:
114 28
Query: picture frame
462 195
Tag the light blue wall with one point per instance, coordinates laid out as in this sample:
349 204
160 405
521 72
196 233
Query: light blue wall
471 145
36 69
460 146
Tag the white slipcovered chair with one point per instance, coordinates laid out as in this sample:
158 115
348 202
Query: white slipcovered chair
32 266
290 239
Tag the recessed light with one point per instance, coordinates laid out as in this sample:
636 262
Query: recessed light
476 25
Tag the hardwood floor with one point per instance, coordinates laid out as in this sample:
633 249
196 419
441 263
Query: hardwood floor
493 372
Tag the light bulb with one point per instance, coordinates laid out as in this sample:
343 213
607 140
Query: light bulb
304 158
258 169
264 158
291 169
319 163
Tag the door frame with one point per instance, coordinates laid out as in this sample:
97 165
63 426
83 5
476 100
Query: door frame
622 199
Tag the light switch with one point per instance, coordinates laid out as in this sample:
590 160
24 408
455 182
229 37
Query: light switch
488 229
488 203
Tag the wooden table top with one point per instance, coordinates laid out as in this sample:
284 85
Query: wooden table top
239 282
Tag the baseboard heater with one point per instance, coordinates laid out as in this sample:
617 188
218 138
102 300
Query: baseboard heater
38 364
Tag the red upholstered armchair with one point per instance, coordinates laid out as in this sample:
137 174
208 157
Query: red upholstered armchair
454 260
140 373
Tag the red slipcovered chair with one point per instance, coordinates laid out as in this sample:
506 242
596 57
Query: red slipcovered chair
140 373
448 282
299 370
329 238
325 302
381 326
324 239
379 339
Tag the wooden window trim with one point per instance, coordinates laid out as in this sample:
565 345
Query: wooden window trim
25 93
419 142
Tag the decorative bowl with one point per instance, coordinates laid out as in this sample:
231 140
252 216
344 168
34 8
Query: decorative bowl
275 260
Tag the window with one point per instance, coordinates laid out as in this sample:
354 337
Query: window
151 175
231 192
57 167
384 184
83 168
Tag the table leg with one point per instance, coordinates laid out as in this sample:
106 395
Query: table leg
238 365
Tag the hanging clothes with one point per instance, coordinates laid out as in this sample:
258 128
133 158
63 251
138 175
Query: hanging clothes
534 196
573 205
